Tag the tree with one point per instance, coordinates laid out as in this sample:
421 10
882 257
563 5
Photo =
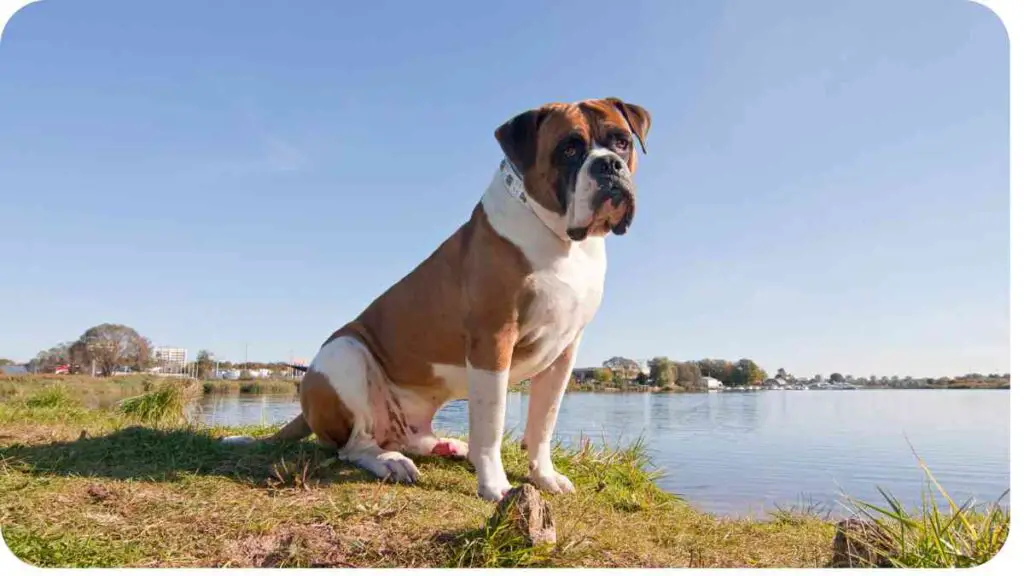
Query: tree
835 378
718 369
603 375
663 371
781 374
687 374
747 373
111 346
6 362
204 364
48 360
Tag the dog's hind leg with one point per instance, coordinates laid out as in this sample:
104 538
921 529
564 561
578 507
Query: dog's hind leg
345 401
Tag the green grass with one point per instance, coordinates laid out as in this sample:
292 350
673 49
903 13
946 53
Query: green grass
52 397
168 402
102 488
941 534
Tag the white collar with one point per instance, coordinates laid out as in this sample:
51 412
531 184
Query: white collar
513 184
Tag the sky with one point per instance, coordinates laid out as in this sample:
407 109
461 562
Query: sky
826 187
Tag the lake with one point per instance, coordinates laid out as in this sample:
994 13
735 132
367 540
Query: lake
740 453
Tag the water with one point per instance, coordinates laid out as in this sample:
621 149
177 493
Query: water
740 453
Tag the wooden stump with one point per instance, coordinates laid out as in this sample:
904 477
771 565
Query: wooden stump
527 514
860 544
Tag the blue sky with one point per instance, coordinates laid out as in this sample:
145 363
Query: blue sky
826 187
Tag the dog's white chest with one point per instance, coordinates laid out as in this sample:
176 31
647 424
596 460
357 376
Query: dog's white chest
566 293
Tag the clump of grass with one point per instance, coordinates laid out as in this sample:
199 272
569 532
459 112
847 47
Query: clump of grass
498 545
940 535
168 403
52 397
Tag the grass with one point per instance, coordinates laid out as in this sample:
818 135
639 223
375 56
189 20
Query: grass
53 397
86 487
106 392
167 403
942 534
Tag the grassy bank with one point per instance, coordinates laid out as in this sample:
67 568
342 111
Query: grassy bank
101 392
131 487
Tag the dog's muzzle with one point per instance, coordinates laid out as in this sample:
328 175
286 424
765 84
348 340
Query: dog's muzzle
613 204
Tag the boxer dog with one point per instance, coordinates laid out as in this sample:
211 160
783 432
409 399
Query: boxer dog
505 298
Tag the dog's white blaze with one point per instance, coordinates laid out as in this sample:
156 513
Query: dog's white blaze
581 205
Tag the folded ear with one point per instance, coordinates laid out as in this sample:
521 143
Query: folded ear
518 138
638 118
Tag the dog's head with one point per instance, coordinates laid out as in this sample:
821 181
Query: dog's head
577 161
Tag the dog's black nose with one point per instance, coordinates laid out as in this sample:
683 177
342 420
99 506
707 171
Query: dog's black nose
605 166
577 234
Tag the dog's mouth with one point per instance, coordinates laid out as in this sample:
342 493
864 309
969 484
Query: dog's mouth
614 205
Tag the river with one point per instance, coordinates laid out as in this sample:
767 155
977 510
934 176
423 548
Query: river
740 453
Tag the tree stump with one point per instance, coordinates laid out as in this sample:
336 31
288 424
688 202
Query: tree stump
860 544
527 514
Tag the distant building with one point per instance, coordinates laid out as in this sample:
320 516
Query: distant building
169 360
623 367
710 383
584 374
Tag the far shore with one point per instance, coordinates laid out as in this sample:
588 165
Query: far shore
106 390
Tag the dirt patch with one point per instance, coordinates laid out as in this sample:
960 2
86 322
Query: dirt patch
313 546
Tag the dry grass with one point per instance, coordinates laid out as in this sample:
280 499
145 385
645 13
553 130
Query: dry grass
93 488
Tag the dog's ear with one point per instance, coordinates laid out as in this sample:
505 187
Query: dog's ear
518 138
638 118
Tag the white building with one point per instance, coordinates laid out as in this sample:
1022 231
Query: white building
710 383
169 360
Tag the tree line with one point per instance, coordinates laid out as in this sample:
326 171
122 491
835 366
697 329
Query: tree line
113 347
108 346
743 372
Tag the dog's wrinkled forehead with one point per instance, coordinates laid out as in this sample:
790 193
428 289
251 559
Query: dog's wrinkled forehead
532 136
590 122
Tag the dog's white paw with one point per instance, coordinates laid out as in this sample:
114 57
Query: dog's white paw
391 466
493 491
552 482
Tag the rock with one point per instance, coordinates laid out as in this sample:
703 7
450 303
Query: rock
860 544
98 493
527 514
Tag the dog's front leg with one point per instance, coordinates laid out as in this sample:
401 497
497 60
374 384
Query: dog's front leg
487 364
546 391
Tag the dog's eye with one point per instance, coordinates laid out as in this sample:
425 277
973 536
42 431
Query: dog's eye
571 151
621 144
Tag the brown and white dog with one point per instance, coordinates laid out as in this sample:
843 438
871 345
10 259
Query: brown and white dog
505 298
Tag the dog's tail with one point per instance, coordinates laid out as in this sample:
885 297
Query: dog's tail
297 429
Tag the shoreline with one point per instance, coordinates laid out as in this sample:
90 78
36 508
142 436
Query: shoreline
144 488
